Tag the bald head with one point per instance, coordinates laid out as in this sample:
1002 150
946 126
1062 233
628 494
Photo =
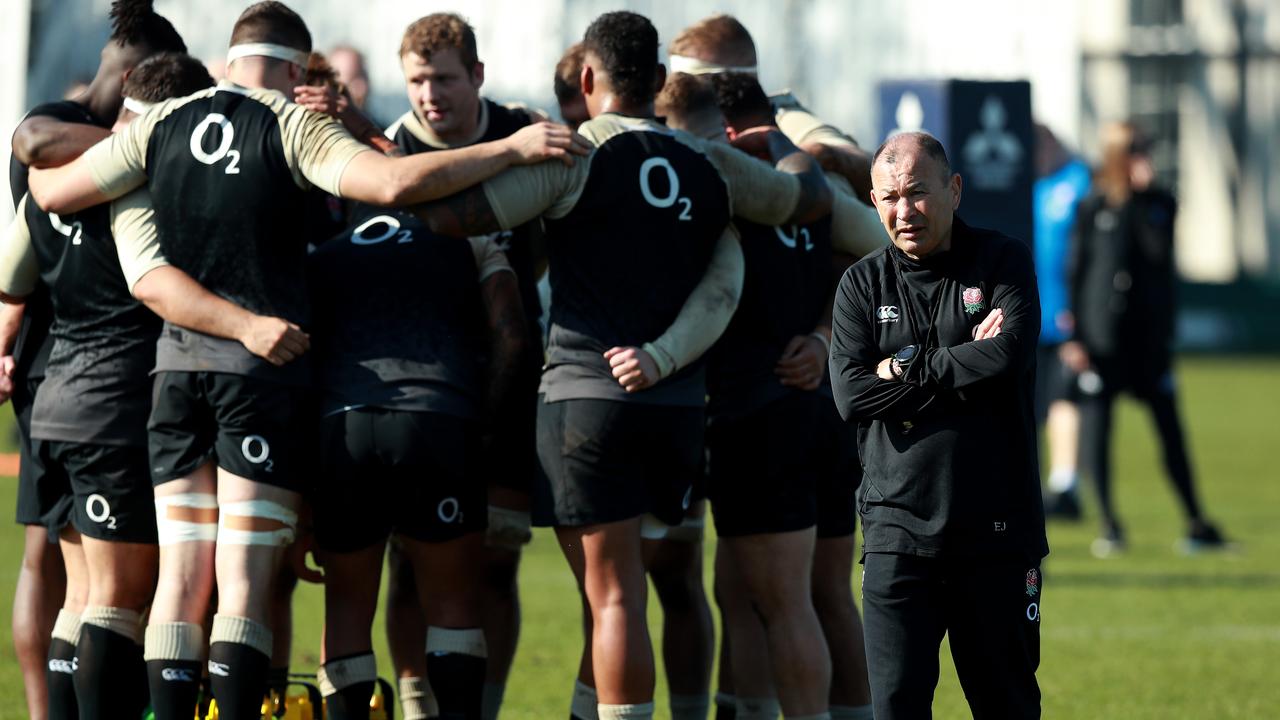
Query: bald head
906 144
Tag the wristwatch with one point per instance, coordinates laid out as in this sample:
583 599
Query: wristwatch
901 359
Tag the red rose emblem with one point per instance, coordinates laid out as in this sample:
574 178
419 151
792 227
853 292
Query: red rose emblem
972 298
1033 582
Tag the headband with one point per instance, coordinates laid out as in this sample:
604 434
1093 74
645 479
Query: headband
271 50
137 106
694 66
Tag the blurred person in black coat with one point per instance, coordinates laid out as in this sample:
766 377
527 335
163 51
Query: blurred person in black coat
1122 283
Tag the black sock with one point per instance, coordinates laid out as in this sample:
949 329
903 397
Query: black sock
726 712
175 688
458 682
278 686
238 675
351 702
60 679
110 677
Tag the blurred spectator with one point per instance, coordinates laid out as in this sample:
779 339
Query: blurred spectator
348 63
1122 292
1062 182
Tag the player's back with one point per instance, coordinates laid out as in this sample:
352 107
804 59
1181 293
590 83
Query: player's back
399 322
629 253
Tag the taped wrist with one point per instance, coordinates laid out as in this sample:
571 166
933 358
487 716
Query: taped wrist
256 522
337 675
187 517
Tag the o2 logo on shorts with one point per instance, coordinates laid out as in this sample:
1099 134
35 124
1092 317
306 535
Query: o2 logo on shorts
99 510
449 511
256 450
224 148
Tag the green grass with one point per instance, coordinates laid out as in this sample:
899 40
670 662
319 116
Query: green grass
1149 635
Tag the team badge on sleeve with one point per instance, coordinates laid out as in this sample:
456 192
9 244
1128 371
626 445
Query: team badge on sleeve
972 298
1033 582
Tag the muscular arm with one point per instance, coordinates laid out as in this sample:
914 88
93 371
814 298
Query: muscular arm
859 394
505 314
1011 351
178 298
10 324
462 215
41 141
848 161
815 194
66 189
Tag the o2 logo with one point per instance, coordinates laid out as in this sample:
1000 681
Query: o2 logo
98 510
75 230
256 450
365 235
673 190
224 148
797 234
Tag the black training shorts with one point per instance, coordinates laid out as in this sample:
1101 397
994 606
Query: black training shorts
381 471
605 461
762 467
253 428
108 486
838 471
39 503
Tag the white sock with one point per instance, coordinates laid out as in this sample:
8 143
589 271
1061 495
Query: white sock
415 699
584 702
690 707
1062 480
641 711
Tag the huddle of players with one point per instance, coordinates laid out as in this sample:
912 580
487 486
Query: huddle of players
426 352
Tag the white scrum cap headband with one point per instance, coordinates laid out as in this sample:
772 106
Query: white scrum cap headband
271 50
135 105
694 66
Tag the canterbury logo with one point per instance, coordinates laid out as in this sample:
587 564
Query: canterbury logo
219 669
887 313
65 667
178 675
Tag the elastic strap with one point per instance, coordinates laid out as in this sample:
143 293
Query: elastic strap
694 66
271 50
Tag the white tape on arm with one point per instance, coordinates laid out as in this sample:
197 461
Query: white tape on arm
187 517
256 522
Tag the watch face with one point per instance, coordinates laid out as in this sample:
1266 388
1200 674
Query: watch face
905 354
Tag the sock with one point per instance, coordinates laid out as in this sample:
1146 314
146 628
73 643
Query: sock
641 711
726 707
690 707
60 676
1062 480
584 702
172 652
491 703
415 699
852 712
347 685
748 708
456 664
239 657
110 677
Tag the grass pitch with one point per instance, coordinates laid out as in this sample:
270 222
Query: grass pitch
1151 634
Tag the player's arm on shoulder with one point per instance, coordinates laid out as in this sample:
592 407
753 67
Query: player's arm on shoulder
855 227
834 150
42 141
701 320
860 394
19 270
793 191
504 312
111 168
508 200
1007 337
423 177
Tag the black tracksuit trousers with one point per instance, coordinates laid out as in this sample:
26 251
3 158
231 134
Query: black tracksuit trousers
990 609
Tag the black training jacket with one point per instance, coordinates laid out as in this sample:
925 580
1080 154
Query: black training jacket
949 453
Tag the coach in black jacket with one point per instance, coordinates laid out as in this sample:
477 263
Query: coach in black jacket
933 355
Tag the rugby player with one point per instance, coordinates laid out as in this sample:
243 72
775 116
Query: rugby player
90 413
401 315
52 134
621 419
225 430
573 108
443 78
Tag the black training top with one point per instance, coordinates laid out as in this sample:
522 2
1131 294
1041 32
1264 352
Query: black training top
398 317
32 346
786 284
496 122
949 453
1122 279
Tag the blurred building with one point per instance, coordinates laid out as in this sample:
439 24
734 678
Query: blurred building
1202 75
